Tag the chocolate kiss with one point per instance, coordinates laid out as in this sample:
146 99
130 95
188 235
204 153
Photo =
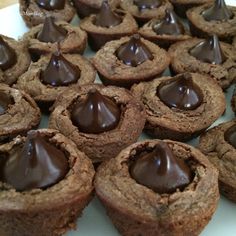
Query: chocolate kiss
51 33
51 4
218 12
5 101
60 72
180 92
230 135
147 4
95 114
209 51
134 52
39 164
106 17
7 55
169 25
161 171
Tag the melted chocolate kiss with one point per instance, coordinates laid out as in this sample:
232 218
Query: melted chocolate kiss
218 12
134 52
38 164
161 171
60 72
181 93
5 101
51 33
106 17
169 25
51 5
230 135
209 51
7 55
95 114
147 4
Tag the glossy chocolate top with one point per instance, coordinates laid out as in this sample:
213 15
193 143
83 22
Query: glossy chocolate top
51 5
170 25
38 164
106 17
209 51
8 56
51 33
95 114
134 52
180 92
160 170
59 71
147 4
5 101
218 12
230 136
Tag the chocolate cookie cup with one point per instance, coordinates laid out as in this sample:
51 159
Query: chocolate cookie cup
205 56
181 6
218 144
14 60
144 11
53 74
107 25
34 12
180 107
18 113
87 7
139 209
165 31
44 38
215 18
130 60
49 195
100 120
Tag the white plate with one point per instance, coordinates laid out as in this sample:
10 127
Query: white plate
94 220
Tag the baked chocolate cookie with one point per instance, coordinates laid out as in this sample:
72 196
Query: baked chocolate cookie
14 59
34 12
180 107
130 60
213 18
205 56
45 184
53 74
18 113
218 144
138 203
107 25
44 38
100 120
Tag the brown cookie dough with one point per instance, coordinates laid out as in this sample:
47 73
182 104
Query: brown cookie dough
75 41
10 75
223 155
87 7
177 124
137 210
34 15
143 16
21 115
114 72
51 211
201 28
182 61
181 6
102 146
46 94
98 36
164 40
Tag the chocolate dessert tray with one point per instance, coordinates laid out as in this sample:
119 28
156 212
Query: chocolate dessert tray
94 220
